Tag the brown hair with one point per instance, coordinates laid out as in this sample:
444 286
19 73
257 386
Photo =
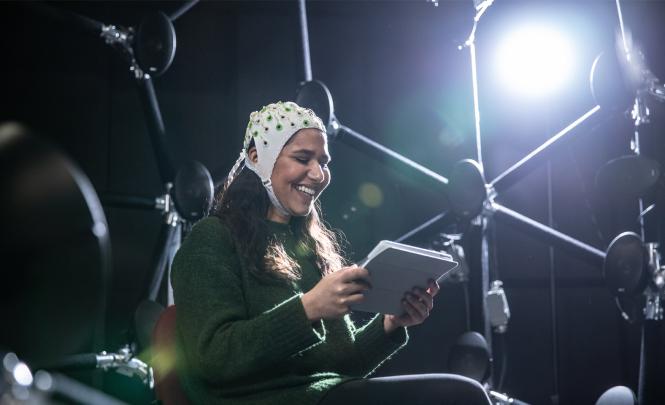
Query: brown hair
243 207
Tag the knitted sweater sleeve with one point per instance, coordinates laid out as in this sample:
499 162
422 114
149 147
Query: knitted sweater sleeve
220 342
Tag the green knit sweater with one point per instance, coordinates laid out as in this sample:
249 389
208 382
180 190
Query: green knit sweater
246 341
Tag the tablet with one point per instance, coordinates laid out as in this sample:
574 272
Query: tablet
396 268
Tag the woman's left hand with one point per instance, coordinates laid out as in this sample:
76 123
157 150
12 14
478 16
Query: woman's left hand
417 305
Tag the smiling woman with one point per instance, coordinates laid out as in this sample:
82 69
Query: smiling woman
300 174
263 295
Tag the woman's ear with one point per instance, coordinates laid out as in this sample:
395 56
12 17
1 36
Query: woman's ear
252 155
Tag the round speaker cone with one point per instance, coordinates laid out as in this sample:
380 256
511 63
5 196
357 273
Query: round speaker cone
193 191
55 250
618 395
467 192
155 43
316 96
628 175
608 85
625 265
470 357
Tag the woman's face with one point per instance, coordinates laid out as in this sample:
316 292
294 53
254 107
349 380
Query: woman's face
300 174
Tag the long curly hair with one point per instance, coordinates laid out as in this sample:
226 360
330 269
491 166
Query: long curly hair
243 207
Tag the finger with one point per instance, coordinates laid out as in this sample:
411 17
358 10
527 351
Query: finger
433 287
356 273
361 283
418 305
411 311
355 287
424 297
354 299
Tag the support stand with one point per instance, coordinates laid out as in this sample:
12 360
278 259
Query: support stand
469 196
148 50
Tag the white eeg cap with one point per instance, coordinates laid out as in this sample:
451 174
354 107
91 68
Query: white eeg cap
271 128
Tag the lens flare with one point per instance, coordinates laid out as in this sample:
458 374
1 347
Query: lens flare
370 194
534 60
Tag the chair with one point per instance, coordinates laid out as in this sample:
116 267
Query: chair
167 383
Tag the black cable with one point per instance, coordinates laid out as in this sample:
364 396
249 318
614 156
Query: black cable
623 313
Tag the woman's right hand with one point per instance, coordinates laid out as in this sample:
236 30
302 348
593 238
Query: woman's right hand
332 296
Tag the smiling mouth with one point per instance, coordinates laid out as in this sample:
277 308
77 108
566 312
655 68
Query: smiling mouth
309 192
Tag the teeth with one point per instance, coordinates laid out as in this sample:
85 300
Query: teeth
306 190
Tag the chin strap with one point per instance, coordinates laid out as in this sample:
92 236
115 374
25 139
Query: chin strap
275 202
267 184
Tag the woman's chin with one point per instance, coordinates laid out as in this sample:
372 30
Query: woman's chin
302 211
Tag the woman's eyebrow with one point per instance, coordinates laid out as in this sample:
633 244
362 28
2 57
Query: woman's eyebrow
305 151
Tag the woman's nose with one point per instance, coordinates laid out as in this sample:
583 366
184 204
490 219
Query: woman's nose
316 172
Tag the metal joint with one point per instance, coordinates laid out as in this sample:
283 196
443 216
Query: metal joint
126 364
113 36
122 39
488 206
653 310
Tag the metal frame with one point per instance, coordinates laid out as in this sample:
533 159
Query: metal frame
491 210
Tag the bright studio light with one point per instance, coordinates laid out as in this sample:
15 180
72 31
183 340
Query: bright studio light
534 61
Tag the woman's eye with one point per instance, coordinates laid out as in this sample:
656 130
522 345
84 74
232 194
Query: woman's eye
302 160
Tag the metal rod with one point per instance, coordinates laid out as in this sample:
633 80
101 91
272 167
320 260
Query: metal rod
553 236
471 44
355 139
476 108
182 10
421 227
173 248
623 31
128 201
636 149
508 177
304 36
156 128
485 265
161 259
553 288
651 363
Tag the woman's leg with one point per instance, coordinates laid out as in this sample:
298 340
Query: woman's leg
438 389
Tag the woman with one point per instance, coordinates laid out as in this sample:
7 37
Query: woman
262 292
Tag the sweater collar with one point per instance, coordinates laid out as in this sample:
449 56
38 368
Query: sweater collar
279 227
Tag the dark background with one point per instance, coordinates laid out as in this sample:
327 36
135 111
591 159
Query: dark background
397 76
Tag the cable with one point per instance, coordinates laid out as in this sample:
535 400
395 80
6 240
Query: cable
623 313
